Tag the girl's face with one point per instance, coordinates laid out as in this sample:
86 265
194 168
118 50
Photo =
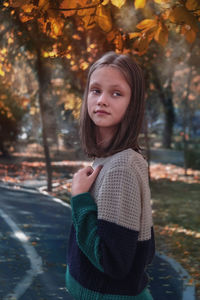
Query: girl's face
109 95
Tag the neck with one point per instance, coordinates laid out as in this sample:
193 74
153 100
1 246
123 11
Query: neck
104 137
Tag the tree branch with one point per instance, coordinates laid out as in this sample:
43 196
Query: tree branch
194 10
78 8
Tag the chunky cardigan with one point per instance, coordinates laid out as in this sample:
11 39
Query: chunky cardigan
112 239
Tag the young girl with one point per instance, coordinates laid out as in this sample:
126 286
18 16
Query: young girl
112 240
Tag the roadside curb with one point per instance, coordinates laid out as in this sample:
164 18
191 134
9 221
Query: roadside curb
188 289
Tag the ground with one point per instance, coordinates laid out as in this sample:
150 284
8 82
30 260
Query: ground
175 201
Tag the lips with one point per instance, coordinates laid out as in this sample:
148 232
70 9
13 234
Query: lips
102 112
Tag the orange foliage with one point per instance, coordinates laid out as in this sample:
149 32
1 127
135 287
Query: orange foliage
140 3
93 13
103 18
118 3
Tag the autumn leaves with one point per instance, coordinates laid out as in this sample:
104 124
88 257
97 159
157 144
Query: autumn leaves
157 19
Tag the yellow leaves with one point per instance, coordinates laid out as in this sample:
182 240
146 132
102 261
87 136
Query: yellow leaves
4 51
6 4
27 11
180 15
118 3
189 27
66 4
105 2
27 8
84 65
56 26
88 17
52 27
103 19
161 34
25 102
52 53
48 54
18 3
76 37
140 4
118 41
149 29
111 35
5 110
72 102
147 24
189 34
161 1
43 5
25 18
91 47
68 56
157 29
141 44
34 110
2 73
96 15
3 96
133 35
192 4
10 40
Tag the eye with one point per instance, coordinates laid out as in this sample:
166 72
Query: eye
95 91
117 94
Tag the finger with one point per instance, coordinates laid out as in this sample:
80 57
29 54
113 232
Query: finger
95 173
89 170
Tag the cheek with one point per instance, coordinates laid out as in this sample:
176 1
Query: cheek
123 109
89 106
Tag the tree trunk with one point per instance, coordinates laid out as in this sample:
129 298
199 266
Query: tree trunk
166 97
147 144
3 149
186 110
169 122
42 87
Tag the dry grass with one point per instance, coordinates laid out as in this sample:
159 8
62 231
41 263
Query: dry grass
177 223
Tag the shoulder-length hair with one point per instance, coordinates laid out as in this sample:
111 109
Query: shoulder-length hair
128 130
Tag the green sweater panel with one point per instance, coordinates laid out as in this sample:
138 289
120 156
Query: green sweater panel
84 217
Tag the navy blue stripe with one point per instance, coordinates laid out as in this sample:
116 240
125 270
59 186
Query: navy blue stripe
91 278
117 248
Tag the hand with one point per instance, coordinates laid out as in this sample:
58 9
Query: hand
83 180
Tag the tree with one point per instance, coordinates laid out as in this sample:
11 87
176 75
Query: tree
155 19
69 22
35 43
55 28
12 110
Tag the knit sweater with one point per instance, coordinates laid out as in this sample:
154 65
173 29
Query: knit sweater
112 239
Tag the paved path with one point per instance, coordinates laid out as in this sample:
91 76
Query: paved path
33 241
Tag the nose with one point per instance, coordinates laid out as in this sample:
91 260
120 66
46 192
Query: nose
102 100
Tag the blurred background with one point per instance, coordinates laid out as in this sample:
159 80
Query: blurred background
46 48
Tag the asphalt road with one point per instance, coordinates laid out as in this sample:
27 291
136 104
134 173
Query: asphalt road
34 235
33 242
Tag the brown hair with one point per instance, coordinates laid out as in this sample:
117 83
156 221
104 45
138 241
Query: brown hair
129 128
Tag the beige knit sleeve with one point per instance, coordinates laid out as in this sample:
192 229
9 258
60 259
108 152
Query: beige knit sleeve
119 197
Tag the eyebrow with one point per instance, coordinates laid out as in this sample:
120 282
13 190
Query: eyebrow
112 86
